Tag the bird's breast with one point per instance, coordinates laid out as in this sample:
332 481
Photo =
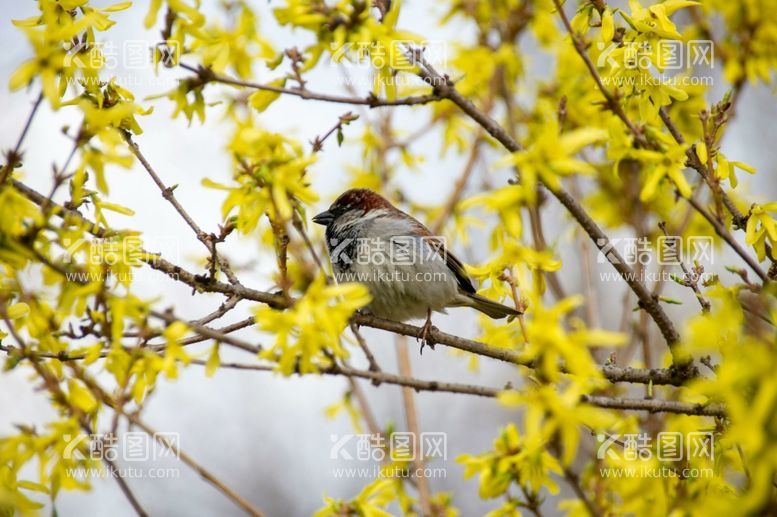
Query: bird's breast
405 275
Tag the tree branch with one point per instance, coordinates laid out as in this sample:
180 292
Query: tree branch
738 217
634 404
14 156
726 236
51 384
656 376
411 418
134 419
655 405
652 405
209 241
612 101
445 88
207 75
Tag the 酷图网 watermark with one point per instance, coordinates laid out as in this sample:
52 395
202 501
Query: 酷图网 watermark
109 253
137 448
357 57
635 453
658 58
400 250
131 56
402 258
405 450
669 250
695 252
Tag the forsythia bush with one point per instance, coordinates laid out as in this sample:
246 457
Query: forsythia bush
619 135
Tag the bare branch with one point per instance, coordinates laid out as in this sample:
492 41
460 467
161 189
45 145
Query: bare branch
738 217
445 87
14 156
209 241
411 418
363 345
207 75
656 406
224 308
134 419
652 405
634 404
726 236
612 100
656 376
691 279
202 330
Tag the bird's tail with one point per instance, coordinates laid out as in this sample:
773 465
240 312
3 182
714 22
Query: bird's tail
490 308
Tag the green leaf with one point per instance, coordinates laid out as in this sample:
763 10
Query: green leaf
672 301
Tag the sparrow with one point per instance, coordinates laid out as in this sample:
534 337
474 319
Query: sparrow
409 271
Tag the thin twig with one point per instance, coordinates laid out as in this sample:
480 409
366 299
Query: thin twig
622 403
208 332
202 471
673 376
224 308
135 420
574 481
691 279
655 405
651 405
411 418
52 385
207 75
14 156
363 345
167 192
695 163
445 87
458 186
343 120
726 236
612 101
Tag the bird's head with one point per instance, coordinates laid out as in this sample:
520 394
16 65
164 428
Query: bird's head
353 203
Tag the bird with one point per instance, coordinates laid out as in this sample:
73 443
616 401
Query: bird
409 272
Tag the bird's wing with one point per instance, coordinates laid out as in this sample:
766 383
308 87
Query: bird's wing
454 264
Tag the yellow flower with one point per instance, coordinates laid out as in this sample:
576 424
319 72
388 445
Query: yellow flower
174 352
658 165
655 19
551 155
760 227
515 459
312 325
506 202
63 42
726 169
271 176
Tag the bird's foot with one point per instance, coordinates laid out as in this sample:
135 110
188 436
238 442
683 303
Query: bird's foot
425 335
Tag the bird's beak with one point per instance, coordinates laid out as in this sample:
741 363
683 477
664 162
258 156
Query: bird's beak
324 218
